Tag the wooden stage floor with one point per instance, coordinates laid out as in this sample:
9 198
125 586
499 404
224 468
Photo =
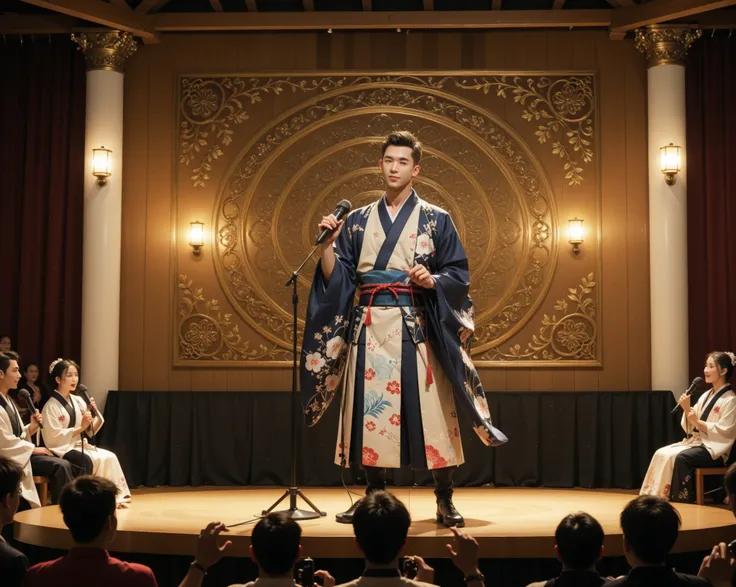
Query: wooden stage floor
508 522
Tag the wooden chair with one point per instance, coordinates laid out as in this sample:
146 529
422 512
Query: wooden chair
42 485
700 475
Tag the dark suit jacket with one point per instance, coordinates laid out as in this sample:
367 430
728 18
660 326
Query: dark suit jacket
13 565
658 577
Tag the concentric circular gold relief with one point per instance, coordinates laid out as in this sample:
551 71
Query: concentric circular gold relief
326 150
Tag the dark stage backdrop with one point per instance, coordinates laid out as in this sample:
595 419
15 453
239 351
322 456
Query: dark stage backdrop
556 439
42 119
711 195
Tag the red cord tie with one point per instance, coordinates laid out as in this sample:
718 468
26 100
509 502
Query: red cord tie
396 289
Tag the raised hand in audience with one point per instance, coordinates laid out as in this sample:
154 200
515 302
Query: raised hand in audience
208 552
327 579
718 567
464 554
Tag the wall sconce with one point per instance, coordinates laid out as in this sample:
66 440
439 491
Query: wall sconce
669 162
101 165
196 237
576 234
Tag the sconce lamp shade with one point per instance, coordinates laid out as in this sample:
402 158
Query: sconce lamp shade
576 234
196 236
101 164
669 162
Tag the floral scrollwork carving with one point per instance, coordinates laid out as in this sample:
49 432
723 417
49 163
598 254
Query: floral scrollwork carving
573 336
210 108
205 333
561 106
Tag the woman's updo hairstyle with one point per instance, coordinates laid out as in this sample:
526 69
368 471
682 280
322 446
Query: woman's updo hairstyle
59 368
723 360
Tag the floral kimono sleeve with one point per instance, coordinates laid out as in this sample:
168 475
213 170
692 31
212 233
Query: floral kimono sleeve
452 322
327 321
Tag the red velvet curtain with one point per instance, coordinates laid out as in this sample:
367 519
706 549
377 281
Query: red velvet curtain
711 195
42 110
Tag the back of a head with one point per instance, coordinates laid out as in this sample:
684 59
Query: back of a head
729 481
381 523
11 474
86 504
579 540
275 541
650 526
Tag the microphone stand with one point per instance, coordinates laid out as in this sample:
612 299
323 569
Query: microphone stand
293 490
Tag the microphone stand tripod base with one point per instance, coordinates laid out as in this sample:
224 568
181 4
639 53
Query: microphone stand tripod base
294 512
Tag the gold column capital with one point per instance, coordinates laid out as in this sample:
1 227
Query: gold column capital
107 50
665 44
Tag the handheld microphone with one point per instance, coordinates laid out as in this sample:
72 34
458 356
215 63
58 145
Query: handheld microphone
342 209
25 395
696 384
82 389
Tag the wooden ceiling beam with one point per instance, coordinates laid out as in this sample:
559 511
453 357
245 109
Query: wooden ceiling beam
105 14
35 24
293 21
148 6
656 11
716 19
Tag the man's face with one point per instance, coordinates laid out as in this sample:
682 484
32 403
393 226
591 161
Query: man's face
398 167
11 377
5 344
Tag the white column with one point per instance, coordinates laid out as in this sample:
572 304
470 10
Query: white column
105 54
666 48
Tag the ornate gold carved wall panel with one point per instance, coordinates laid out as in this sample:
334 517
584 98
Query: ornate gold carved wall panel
268 156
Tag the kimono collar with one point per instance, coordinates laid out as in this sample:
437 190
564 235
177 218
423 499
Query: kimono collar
711 404
15 423
393 230
68 406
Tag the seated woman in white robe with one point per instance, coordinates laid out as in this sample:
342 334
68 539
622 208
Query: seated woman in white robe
68 422
710 429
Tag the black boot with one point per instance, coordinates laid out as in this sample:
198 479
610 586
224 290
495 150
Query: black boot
376 477
346 517
447 514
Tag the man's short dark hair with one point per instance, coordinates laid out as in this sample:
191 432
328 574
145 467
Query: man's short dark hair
11 474
86 503
403 138
579 540
275 541
729 481
5 359
650 526
381 523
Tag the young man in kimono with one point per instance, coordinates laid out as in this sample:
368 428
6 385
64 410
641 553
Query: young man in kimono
710 428
16 440
402 352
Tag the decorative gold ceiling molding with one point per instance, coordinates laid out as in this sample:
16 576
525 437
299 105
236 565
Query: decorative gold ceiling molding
664 44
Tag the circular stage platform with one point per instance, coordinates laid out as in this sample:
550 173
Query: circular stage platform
508 523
